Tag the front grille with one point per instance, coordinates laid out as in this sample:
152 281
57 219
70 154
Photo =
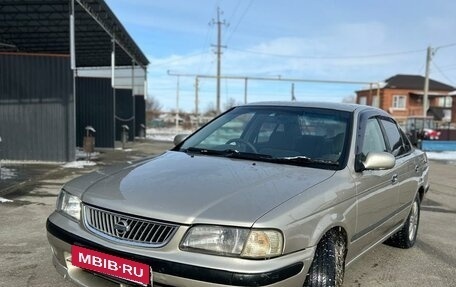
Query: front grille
128 229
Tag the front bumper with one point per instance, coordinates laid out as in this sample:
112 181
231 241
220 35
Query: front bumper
288 272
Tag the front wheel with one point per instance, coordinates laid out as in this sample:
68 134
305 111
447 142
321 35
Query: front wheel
406 237
328 265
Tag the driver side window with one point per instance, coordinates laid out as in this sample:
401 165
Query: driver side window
373 138
230 130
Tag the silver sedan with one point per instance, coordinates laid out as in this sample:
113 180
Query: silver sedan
267 194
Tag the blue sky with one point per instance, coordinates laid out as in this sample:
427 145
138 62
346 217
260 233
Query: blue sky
356 40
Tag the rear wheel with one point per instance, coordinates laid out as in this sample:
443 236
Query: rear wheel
328 265
406 237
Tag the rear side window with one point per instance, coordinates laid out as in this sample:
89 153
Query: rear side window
405 140
394 138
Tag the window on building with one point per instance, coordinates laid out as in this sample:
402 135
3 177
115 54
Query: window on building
362 100
399 102
445 102
376 102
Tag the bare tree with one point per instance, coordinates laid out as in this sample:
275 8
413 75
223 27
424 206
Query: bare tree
153 106
349 99
210 110
231 102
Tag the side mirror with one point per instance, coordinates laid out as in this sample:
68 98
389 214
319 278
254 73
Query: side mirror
179 138
379 161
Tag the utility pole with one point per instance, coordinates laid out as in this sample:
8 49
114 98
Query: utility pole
196 100
429 55
293 98
245 90
218 52
177 103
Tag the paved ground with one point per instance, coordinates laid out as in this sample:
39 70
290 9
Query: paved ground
25 258
24 252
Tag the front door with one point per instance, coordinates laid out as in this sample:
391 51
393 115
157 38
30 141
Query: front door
377 196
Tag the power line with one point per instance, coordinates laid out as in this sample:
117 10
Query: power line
206 39
181 59
318 57
235 10
331 57
205 43
445 46
442 73
421 68
239 22
448 66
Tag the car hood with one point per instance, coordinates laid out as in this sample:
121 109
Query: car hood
181 188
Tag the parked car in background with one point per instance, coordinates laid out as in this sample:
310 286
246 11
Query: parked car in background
421 128
267 194
431 134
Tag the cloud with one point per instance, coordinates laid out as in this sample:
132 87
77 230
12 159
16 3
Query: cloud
162 16
345 52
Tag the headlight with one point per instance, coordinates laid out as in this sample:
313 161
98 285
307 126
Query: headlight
231 241
215 239
69 204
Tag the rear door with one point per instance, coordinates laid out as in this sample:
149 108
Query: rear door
404 172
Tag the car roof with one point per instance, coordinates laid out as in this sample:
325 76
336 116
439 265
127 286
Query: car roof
322 105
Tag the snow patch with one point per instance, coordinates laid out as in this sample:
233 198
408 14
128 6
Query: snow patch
125 150
79 164
165 134
22 162
444 155
7 173
82 154
4 200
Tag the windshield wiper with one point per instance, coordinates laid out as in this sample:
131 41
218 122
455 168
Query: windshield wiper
227 152
303 160
201 151
246 155
233 153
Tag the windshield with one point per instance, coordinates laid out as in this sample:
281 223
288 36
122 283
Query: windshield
290 135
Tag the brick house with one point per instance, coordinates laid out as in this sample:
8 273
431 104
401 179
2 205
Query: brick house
402 97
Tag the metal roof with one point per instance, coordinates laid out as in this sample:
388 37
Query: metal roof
415 82
43 26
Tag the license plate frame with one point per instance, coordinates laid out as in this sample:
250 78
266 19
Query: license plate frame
113 266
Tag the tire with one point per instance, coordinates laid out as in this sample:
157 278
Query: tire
328 265
406 237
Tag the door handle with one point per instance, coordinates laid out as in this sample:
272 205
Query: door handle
394 179
417 168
